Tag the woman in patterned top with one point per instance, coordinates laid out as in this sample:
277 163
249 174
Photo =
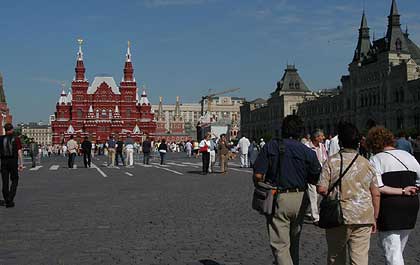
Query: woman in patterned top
359 200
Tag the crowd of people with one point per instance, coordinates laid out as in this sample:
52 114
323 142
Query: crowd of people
374 179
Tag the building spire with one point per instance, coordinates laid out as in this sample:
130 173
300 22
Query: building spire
394 9
363 43
128 66
128 55
177 111
80 67
160 108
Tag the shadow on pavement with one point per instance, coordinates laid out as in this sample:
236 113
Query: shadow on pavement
198 172
209 262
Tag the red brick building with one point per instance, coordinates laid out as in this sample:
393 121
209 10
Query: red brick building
5 116
102 108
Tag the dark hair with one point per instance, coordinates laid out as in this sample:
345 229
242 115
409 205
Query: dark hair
402 134
163 141
348 135
8 127
71 136
292 127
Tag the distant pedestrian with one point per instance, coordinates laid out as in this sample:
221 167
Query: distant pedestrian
11 164
262 143
212 152
119 151
195 149
243 146
111 144
188 149
223 151
33 151
358 196
72 148
398 174
253 150
146 148
333 146
205 152
298 166
163 149
403 144
129 150
87 152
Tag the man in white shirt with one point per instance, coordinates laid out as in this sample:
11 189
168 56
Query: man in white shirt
318 147
243 146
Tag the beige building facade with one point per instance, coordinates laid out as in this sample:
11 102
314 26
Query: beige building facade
42 134
223 109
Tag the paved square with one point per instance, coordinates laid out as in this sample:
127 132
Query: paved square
145 215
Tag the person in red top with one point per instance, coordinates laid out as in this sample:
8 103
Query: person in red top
11 164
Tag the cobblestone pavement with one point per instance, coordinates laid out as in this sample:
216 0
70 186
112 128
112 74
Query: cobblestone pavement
145 215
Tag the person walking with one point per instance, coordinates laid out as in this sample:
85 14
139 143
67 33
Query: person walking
223 151
129 150
253 151
33 151
318 147
359 197
110 149
212 152
163 149
403 144
262 143
11 164
398 175
72 148
188 149
243 146
288 165
146 148
196 149
119 151
205 152
87 152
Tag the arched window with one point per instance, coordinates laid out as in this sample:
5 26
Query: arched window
398 45
291 85
97 114
103 115
128 113
297 85
79 113
110 114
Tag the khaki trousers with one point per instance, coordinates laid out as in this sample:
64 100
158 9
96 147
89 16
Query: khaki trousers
111 156
354 237
224 162
285 226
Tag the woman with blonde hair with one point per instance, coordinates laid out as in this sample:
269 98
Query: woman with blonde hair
398 174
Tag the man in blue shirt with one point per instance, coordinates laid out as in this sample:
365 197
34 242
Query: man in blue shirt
298 167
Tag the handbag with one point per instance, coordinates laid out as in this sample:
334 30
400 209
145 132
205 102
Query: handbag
330 213
265 194
263 198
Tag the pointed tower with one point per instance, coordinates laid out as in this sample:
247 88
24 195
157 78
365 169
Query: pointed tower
80 67
5 116
147 123
394 35
363 45
79 88
160 118
177 123
128 67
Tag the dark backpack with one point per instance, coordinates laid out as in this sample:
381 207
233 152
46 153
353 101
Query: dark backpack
8 148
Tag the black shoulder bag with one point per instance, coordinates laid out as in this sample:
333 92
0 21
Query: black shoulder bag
264 192
330 213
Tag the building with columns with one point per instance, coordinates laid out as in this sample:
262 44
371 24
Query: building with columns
101 108
382 87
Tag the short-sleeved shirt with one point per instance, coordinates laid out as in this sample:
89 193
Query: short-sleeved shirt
384 163
356 198
72 146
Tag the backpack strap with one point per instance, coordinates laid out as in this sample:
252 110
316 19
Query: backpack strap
342 174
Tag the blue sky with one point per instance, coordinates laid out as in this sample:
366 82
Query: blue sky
182 47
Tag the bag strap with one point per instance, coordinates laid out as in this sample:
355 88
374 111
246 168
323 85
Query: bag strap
397 159
342 174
